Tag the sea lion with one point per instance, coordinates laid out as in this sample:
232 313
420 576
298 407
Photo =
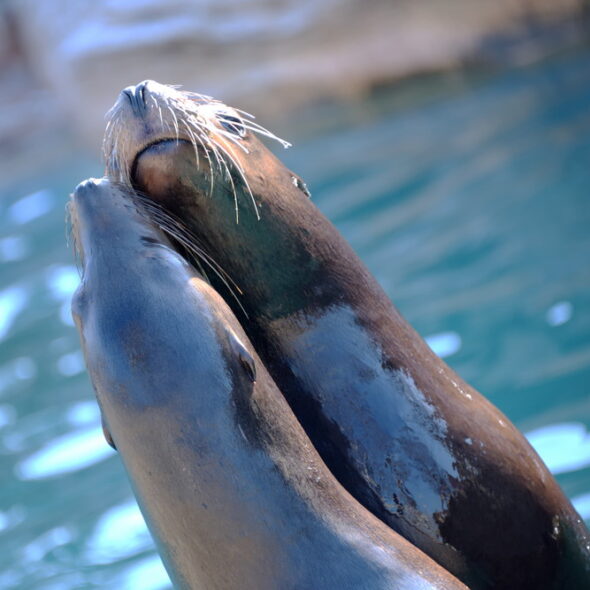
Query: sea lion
232 489
401 431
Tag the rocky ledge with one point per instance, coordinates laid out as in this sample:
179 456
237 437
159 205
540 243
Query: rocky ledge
262 55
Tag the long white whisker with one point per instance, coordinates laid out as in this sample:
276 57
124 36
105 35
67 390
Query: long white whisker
193 141
199 117
243 177
176 230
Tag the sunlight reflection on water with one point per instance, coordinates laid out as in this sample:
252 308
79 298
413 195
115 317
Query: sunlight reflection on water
62 281
444 344
20 369
471 210
31 207
563 447
65 454
560 313
120 533
14 248
12 302
148 574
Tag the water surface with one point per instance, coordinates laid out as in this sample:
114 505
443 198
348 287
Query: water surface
467 198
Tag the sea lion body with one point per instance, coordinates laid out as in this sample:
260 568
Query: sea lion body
233 492
401 431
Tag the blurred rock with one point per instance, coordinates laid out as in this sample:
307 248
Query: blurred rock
271 56
30 113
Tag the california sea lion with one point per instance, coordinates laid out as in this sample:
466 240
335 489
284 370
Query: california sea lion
401 431
232 489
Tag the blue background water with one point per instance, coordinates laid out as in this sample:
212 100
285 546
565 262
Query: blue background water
468 198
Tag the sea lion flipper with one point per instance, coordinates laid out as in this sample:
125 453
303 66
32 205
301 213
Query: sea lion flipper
246 359
107 435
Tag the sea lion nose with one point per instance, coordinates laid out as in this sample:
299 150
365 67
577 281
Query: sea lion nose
90 185
136 96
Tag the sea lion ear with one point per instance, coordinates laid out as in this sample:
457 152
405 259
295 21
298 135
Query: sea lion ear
300 185
107 433
246 359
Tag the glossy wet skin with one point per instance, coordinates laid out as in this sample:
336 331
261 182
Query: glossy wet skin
402 432
234 493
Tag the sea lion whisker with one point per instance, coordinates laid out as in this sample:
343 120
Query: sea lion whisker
249 123
234 140
72 238
234 191
199 255
175 120
242 175
219 159
198 96
254 127
193 141
245 113
211 173
159 109
229 176
216 147
112 125
109 114
211 149
68 224
175 231
178 230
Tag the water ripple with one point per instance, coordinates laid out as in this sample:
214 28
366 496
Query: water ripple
120 533
14 248
62 281
559 313
12 301
68 453
444 344
148 574
20 369
564 447
31 207
71 364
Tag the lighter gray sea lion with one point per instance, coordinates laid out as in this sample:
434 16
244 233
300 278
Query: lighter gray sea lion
401 431
232 489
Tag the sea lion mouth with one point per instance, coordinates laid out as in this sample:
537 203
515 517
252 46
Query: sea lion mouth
159 142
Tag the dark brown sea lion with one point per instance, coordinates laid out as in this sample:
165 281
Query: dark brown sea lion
401 431
232 489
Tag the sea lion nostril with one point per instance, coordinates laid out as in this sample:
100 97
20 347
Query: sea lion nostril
140 94
136 97
89 185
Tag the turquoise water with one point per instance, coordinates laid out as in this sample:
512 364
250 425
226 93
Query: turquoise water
467 198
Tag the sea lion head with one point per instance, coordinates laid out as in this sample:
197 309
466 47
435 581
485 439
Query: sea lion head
101 213
105 216
223 139
203 162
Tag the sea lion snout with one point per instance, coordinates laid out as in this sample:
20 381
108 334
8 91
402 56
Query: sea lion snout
149 113
136 96
91 185
92 195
